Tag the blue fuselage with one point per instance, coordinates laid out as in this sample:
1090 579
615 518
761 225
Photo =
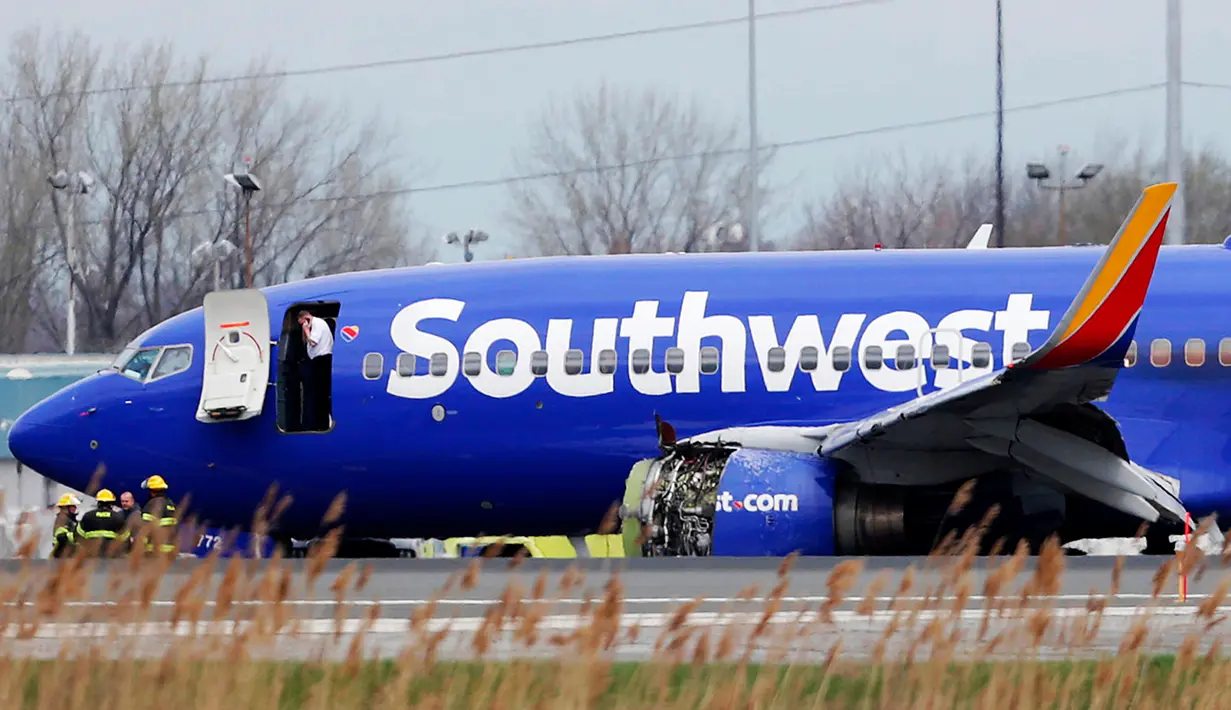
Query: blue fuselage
526 454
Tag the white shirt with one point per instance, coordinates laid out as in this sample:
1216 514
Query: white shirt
319 333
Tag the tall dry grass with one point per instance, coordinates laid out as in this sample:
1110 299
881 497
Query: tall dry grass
241 642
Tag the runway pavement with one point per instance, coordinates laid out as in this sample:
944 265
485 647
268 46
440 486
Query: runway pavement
728 596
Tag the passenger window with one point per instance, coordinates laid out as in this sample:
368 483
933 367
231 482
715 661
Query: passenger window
472 364
138 366
1194 352
506 362
675 360
1130 357
406 365
573 361
940 357
810 357
841 356
174 360
607 360
777 359
1224 352
1020 351
709 360
641 361
440 364
538 362
981 355
1160 352
373 364
873 357
905 359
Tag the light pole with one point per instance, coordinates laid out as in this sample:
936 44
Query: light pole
1175 149
1000 218
473 236
248 184
214 252
1040 174
77 184
754 198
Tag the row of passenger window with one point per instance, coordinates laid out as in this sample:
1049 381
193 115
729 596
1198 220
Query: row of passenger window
1194 352
809 358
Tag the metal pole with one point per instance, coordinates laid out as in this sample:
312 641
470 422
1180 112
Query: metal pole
217 272
70 255
1175 154
1064 159
248 236
754 206
1000 217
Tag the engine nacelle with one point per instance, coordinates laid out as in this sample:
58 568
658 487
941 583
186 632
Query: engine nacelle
716 499
773 503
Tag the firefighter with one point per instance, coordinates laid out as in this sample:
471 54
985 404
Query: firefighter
64 536
106 525
159 514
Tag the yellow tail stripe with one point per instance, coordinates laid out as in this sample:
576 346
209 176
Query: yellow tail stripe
1128 244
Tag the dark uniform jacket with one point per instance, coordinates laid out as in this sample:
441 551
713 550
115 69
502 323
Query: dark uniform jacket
159 515
65 535
102 531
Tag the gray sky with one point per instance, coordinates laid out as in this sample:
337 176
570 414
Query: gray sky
820 74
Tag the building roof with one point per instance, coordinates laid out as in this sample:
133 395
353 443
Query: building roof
25 380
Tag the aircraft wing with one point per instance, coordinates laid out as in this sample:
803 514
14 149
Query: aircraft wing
1004 413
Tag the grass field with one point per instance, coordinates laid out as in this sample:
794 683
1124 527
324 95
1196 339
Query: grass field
917 663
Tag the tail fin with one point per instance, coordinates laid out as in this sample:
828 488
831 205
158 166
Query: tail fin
981 237
1099 324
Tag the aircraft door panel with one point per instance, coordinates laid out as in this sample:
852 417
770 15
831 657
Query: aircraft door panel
237 356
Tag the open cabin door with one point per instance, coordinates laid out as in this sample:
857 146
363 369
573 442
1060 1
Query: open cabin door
236 356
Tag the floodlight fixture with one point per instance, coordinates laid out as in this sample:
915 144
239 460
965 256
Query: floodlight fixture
1037 171
1089 171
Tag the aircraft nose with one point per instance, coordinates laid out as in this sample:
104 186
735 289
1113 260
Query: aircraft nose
33 440
50 439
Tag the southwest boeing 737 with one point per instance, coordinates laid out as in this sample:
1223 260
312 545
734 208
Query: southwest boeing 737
735 404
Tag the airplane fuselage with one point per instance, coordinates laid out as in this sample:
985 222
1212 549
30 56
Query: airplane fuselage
523 453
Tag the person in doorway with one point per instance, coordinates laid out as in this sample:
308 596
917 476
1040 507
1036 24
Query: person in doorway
318 370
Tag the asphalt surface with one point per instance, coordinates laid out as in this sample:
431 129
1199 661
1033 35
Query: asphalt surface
402 602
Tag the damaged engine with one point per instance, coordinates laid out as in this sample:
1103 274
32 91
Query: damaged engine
678 503
716 499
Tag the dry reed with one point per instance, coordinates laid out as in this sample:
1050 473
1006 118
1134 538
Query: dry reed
228 633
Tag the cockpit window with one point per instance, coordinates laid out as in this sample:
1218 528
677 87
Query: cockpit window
175 359
138 364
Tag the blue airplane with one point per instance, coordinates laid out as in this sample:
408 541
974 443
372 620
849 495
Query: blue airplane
731 404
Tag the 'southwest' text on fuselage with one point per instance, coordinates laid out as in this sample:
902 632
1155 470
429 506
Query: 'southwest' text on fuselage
528 356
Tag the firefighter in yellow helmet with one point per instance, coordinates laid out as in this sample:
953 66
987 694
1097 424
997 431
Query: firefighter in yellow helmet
159 514
102 529
64 536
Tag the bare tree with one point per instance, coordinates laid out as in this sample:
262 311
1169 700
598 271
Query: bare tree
934 204
631 171
158 152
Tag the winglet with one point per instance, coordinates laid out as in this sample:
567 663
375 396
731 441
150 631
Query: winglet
981 237
1099 324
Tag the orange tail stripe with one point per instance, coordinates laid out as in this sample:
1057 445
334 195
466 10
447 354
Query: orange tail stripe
1136 231
1107 324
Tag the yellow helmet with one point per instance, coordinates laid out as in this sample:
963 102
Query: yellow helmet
105 496
66 500
154 483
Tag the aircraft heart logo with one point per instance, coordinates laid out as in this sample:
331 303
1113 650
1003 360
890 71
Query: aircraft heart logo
350 332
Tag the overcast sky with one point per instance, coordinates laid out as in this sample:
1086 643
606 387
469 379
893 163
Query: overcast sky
820 74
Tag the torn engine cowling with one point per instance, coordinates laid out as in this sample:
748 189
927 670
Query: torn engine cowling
716 499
